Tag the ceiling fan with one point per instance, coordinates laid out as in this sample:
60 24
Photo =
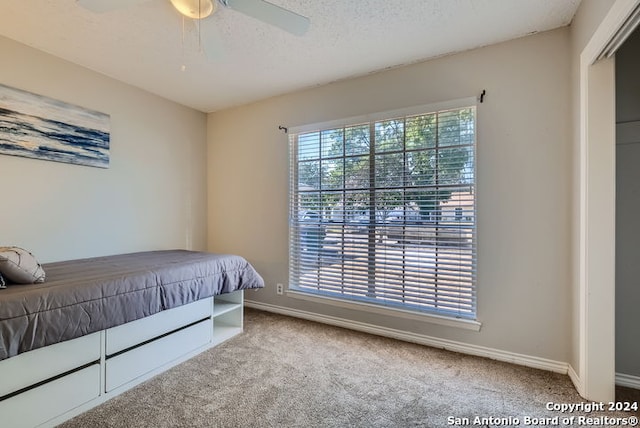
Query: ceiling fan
198 10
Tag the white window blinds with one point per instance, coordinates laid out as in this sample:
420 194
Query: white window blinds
383 211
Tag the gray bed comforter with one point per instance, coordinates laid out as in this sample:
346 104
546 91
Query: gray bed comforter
88 295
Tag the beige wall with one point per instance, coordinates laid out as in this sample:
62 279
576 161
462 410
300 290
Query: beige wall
524 184
151 197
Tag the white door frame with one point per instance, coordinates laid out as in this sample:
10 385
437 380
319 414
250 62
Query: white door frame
597 210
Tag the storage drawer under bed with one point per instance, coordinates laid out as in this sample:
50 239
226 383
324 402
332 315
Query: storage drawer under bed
27 369
126 366
139 331
51 399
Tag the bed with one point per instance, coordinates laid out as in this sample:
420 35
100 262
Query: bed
99 326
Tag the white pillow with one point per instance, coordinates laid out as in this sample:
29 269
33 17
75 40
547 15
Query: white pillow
20 266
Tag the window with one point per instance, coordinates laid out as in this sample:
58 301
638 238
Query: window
382 210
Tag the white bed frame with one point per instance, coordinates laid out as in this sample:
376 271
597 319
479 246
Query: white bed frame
47 386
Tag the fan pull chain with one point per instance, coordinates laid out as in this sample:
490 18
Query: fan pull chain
199 28
183 67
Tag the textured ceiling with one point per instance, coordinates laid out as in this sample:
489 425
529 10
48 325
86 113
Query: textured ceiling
145 45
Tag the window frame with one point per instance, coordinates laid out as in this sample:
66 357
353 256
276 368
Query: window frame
471 323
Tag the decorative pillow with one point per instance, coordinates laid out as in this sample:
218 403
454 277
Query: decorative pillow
2 283
20 266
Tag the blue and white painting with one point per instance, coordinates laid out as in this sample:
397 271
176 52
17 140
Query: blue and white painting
39 127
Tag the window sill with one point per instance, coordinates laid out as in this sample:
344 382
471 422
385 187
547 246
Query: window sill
383 310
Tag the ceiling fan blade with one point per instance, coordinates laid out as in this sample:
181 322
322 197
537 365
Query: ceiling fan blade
271 14
101 6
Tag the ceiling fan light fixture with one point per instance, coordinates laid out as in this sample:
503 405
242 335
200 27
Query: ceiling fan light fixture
195 9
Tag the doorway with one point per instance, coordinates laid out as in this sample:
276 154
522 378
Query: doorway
627 264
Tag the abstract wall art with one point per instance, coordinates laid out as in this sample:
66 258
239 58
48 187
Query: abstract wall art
39 127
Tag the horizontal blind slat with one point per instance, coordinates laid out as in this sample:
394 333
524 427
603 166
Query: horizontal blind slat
384 212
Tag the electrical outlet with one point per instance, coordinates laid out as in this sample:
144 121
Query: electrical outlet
279 289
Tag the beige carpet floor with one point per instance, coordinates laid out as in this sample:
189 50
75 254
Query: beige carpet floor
286 372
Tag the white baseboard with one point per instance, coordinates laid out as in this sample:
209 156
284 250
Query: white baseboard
630 381
577 381
464 348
